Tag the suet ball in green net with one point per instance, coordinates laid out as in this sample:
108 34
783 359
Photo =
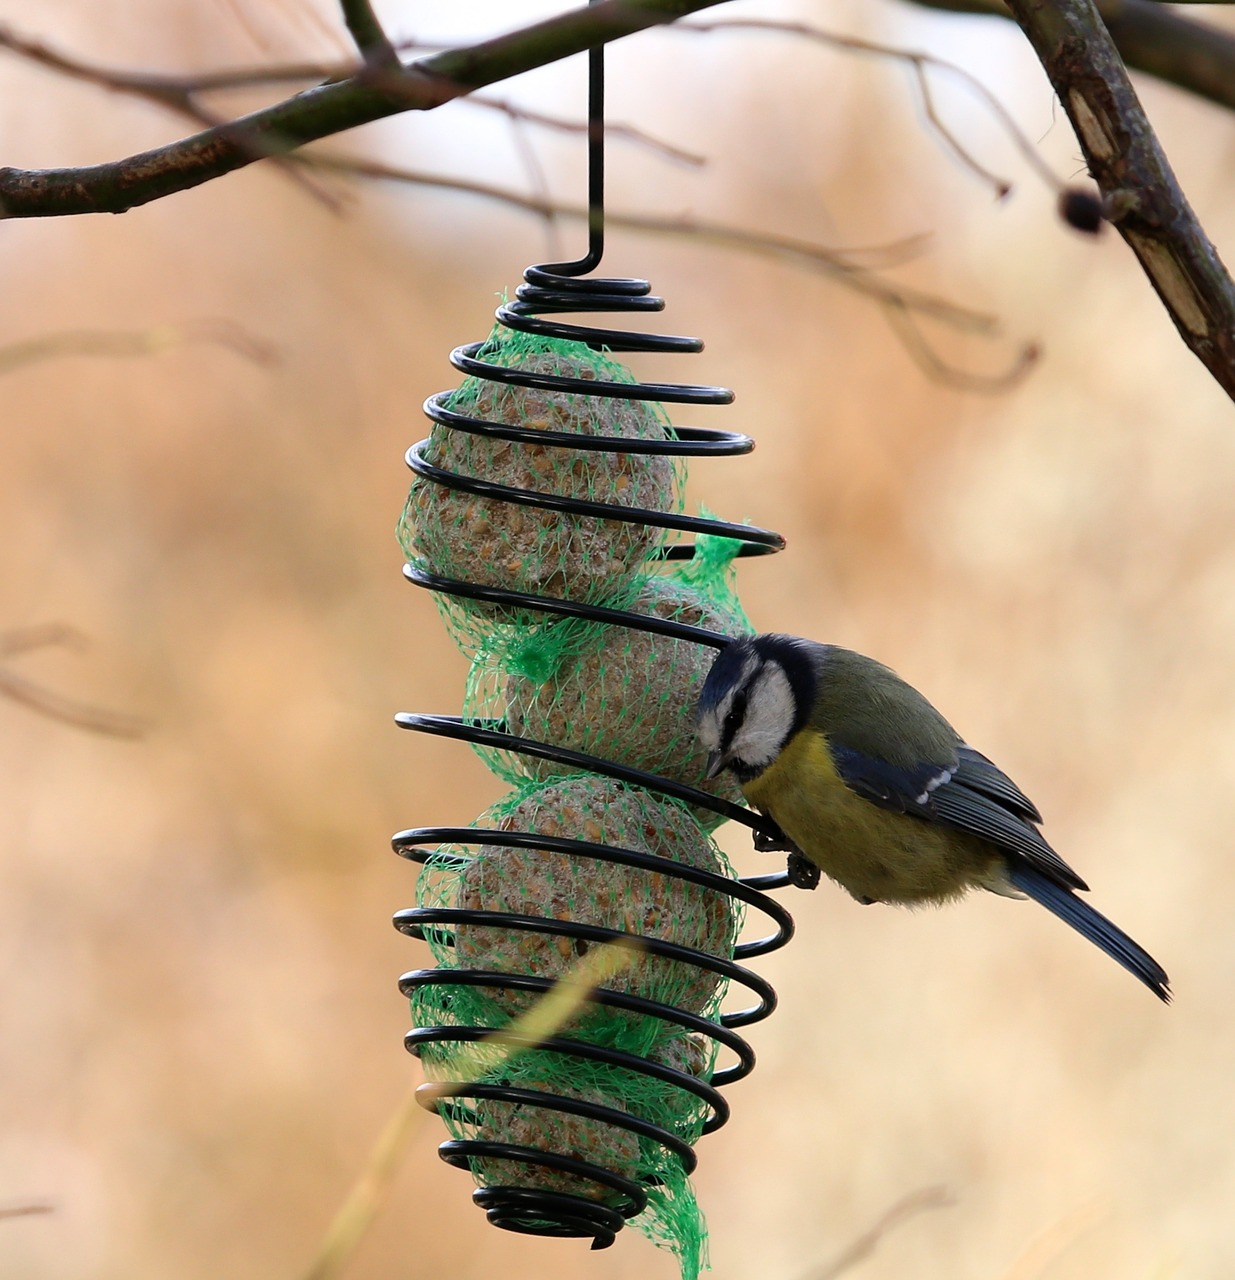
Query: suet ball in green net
527 548
592 891
629 696
544 1128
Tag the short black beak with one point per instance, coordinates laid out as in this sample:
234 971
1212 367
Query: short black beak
716 764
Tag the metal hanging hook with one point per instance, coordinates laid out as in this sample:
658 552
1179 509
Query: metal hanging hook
595 168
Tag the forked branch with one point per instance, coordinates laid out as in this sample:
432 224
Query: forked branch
1141 195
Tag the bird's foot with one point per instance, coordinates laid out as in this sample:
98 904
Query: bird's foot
803 874
771 839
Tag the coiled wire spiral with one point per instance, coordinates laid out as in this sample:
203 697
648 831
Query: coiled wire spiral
551 290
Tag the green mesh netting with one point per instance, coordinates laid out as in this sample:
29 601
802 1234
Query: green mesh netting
524 548
624 695
565 886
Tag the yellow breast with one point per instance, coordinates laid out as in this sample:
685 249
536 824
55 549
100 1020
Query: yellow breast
872 852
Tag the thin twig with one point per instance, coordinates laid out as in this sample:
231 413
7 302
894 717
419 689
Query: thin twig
854 267
904 325
112 343
169 92
1002 186
839 265
80 715
327 109
1142 197
907 1207
155 84
1151 38
179 92
43 636
899 304
827 262
370 37
26 1210
921 63
619 132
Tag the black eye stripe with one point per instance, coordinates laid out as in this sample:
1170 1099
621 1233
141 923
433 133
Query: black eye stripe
734 717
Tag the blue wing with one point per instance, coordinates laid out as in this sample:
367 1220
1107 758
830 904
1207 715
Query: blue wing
970 794
890 786
979 774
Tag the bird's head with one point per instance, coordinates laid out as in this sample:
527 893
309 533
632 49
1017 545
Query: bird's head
757 695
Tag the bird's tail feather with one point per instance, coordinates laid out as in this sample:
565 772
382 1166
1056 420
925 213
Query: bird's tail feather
1092 925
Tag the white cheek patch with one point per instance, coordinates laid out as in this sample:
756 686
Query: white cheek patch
769 718
709 728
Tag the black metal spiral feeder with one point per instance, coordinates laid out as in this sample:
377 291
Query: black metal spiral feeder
552 290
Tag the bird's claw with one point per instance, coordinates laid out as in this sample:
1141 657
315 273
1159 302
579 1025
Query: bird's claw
803 874
771 839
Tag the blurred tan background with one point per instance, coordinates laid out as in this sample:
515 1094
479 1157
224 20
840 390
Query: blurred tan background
201 1028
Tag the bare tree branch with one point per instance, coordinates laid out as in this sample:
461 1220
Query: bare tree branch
372 41
904 324
921 63
840 265
81 715
172 93
1151 38
25 1210
854 268
180 93
622 132
1142 198
905 1208
44 635
325 110
142 342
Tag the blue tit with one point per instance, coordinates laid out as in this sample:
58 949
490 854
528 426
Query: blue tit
872 786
